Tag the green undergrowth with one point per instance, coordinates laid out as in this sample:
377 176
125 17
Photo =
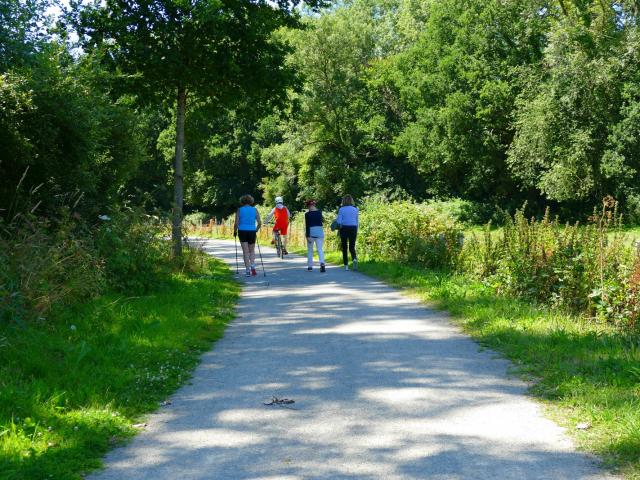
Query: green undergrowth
75 385
584 373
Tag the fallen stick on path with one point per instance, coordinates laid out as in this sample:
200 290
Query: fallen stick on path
279 401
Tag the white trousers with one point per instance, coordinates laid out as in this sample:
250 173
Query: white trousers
319 242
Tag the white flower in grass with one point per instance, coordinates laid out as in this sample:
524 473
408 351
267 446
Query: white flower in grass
104 217
73 327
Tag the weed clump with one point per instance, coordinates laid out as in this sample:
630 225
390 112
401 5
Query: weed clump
586 269
45 264
51 263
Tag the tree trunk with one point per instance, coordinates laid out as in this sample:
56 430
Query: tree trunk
178 190
564 8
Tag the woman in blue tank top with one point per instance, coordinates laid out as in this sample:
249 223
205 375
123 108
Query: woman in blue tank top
246 224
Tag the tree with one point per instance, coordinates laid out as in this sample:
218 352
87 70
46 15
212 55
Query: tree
577 121
216 49
58 122
336 138
21 31
457 85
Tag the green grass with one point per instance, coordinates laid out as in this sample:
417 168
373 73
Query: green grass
582 372
631 234
74 385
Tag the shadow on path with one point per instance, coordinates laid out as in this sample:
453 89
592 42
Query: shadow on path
383 387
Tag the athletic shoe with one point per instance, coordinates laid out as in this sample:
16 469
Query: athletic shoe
346 268
253 272
284 251
355 264
247 273
322 269
310 269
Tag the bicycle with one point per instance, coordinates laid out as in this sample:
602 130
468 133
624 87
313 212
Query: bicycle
279 246
277 241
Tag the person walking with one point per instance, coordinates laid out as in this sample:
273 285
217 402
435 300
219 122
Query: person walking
314 233
348 222
281 215
245 226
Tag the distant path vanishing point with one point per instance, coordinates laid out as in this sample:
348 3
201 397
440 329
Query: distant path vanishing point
384 388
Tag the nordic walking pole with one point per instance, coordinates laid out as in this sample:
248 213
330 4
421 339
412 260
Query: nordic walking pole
235 242
260 253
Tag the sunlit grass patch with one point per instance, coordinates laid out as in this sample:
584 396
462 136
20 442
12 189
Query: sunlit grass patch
74 386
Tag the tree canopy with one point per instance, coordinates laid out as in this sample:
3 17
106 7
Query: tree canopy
219 50
496 102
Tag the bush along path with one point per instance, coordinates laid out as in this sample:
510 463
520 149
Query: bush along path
338 376
78 383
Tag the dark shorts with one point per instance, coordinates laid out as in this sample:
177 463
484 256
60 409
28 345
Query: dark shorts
248 236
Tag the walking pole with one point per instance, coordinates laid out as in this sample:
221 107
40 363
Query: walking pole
235 242
260 253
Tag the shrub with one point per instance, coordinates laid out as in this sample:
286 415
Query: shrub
584 269
462 211
130 244
409 232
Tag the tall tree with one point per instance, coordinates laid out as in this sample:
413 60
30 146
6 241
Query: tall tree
576 125
337 138
21 30
217 49
457 85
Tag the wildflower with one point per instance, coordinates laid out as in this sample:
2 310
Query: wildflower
104 218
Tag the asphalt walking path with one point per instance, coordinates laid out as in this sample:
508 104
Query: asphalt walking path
384 388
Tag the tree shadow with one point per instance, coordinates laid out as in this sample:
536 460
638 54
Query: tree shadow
383 388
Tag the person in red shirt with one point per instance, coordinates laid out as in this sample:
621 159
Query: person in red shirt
281 215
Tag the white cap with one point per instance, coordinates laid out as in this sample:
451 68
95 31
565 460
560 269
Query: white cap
279 200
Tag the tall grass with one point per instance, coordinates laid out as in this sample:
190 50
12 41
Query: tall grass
75 386
589 270
50 263
43 265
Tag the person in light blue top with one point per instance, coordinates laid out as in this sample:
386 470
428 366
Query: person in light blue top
246 224
348 221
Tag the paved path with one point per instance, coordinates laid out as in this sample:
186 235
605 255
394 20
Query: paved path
384 388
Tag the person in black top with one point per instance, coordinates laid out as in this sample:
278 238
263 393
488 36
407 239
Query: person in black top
314 233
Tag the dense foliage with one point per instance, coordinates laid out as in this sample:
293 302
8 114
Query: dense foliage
491 101
409 232
49 264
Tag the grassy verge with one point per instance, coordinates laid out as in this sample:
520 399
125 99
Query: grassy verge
584 374
76 384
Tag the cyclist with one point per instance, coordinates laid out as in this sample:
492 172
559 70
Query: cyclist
246 223
282 216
